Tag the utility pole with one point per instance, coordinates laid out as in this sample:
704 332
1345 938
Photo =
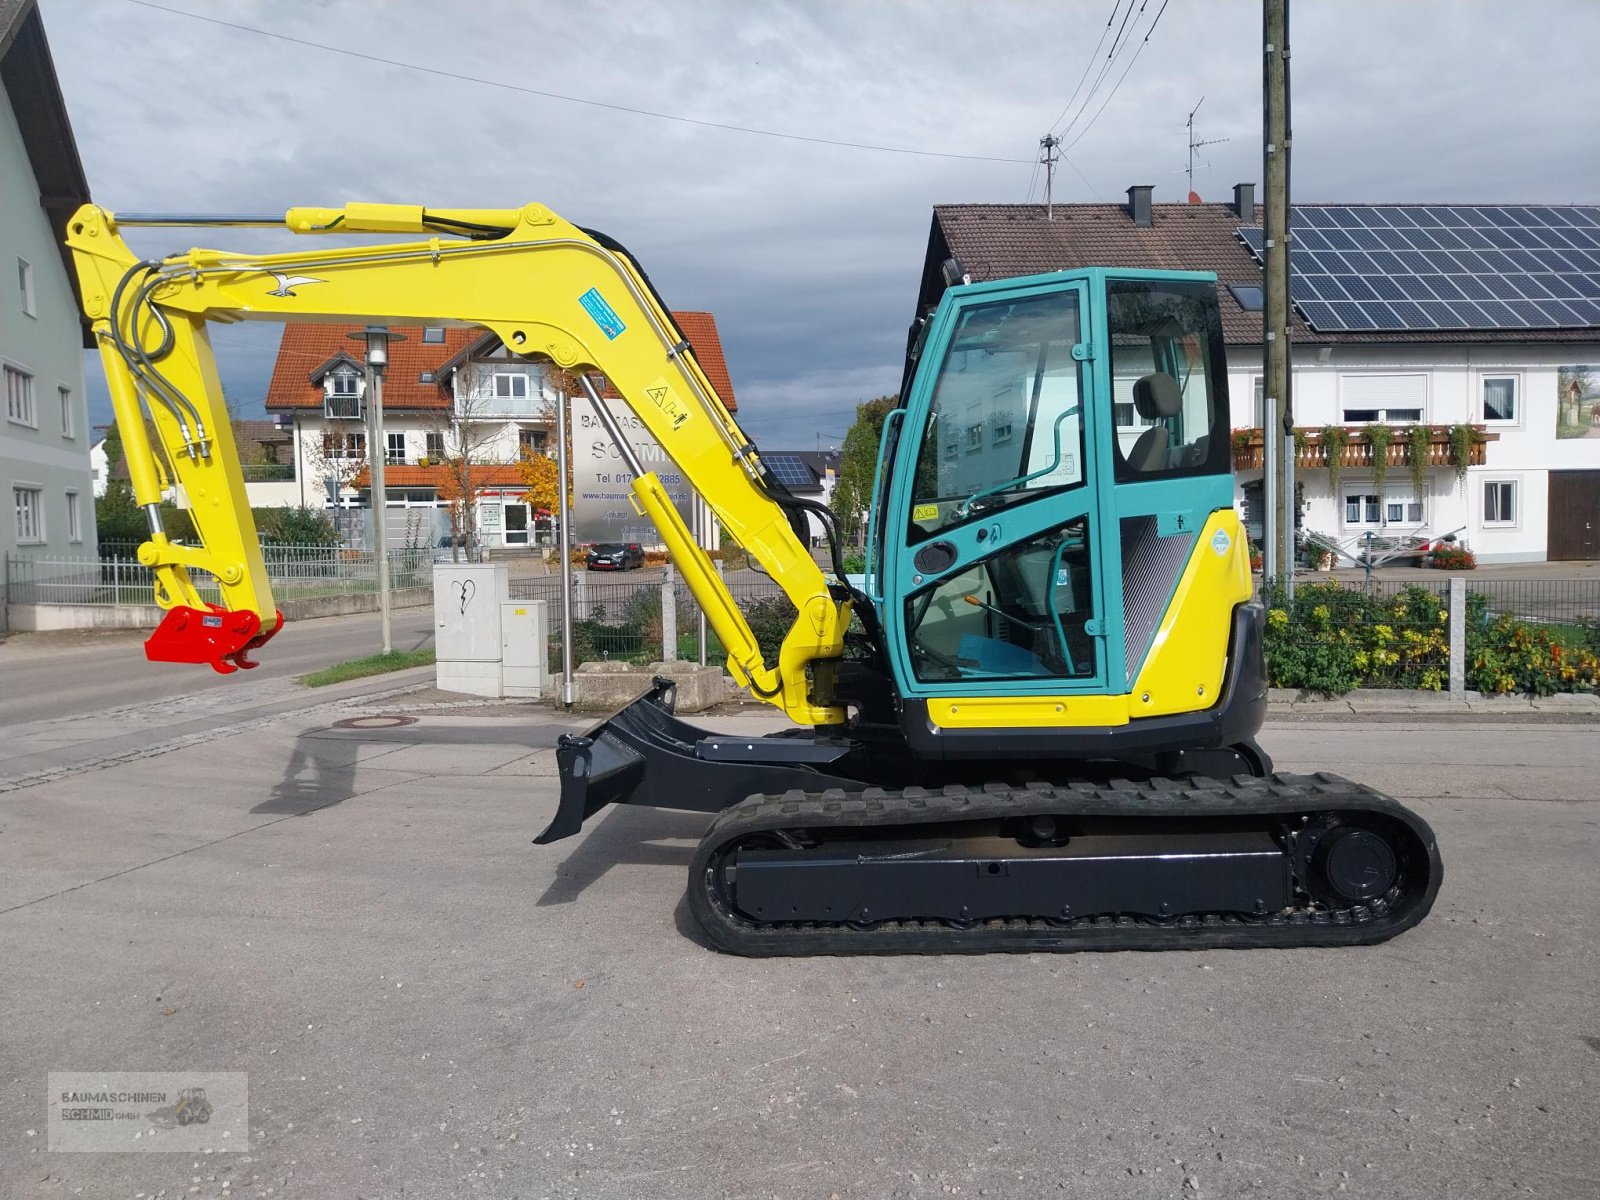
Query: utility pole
1278 556
377 340
1049 155
1194 145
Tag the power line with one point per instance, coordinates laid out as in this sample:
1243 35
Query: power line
528 91
1093 54
1129 67
1119 45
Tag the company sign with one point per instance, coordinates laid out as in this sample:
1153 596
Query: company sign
602 496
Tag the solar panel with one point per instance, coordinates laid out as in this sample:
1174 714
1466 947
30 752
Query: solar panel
789 470
1443 267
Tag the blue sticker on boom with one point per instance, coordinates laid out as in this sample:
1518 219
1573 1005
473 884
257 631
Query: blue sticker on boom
604 315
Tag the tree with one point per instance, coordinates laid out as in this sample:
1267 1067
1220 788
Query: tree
339 458
858 460
471 430
540 474
113 446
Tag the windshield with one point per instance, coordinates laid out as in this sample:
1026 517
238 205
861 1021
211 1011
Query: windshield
1006 423
609 548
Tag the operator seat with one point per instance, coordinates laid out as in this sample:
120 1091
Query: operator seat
1156 397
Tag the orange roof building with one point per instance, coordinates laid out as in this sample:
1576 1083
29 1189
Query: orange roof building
444 387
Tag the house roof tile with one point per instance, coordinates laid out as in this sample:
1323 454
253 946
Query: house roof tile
307 349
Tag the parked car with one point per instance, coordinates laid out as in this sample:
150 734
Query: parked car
456 549
615 556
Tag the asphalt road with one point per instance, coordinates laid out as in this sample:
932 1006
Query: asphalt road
426 1005
51 675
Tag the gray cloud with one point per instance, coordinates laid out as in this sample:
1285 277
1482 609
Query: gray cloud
809 255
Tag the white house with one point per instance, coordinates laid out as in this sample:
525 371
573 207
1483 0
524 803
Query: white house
45 436
1426 317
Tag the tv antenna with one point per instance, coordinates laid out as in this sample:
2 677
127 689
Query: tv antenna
1194 145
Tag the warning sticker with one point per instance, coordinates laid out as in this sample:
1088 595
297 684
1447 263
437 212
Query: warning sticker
925 512
663 397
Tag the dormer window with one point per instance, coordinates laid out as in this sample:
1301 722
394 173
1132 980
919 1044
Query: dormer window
343 398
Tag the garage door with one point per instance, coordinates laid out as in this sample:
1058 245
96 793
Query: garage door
1574 515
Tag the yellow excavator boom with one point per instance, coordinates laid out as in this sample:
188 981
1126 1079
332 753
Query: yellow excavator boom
543 286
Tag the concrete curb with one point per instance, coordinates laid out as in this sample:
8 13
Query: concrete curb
373 687
1377 700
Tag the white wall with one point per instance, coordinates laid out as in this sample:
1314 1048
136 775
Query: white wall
1526 451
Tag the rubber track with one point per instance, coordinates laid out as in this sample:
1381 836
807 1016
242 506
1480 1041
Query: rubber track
1281 796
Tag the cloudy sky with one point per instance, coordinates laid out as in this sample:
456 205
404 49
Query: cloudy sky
808 253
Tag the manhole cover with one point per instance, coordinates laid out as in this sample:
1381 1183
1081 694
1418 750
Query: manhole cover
374 722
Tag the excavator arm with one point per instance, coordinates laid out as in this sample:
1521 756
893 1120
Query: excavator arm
544 287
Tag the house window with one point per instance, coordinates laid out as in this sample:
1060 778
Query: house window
435 446
532 441
1367 509
1258 390
974 438
25 285
1500 398
74 519
433 334
1382 416
20 409
1385 399
1002 431
344 395
1500 502
29 506
394 447
69 427
509 386
338 446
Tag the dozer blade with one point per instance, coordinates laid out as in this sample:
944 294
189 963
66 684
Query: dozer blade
643 754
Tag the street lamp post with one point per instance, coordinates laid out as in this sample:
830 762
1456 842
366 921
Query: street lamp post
377 340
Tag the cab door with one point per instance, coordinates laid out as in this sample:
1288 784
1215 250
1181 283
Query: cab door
991 561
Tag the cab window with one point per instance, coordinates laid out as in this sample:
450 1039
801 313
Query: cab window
1020 614
1006 423
1166 352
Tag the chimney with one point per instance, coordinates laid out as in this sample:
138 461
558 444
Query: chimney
1139 204
1244 202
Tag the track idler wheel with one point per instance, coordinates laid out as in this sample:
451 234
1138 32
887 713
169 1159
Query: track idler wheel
1348 864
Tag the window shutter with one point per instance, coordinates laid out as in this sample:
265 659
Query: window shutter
1383 391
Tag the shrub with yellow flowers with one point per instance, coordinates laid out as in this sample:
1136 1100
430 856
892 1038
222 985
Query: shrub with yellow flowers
1335 639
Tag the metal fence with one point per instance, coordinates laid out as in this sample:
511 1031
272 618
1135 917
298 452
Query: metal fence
1489 635
295 572
627 618
1544 601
